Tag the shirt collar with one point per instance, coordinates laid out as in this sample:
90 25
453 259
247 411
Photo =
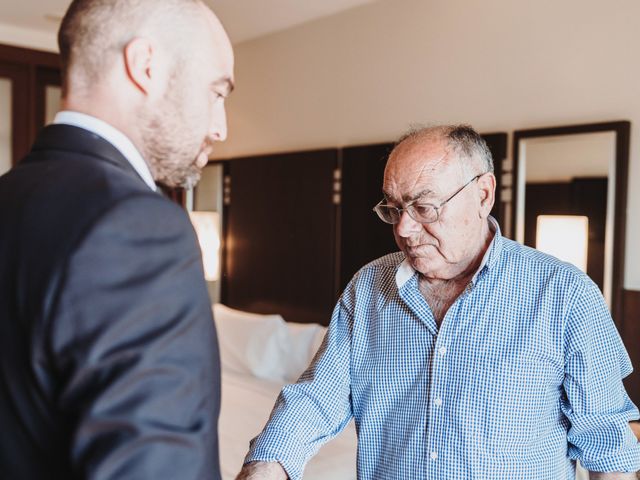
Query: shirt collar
112 135
405 270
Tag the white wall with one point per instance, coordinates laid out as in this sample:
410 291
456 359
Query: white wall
29 38
363 76
562 158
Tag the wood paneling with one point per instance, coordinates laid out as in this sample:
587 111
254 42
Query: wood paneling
497 143
281 235
27 56
30 71
363 236
18 75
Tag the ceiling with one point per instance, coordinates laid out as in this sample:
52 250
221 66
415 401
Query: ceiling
243 19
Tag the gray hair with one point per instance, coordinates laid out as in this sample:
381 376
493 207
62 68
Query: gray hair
463 139
93 32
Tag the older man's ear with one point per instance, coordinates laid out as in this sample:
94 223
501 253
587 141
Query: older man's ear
487 184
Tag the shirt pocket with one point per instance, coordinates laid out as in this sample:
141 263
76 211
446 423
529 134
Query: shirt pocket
517 404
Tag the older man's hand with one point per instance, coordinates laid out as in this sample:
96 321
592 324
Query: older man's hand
262 471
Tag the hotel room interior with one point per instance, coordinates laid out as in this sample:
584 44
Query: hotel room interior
284 208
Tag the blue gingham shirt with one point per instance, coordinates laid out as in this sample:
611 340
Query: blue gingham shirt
522 378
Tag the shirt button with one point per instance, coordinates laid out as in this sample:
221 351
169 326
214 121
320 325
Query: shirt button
434 455
438 402
442 350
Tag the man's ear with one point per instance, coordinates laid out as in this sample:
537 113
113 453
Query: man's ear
487 188
138 59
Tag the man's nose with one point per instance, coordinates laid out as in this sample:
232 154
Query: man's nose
407 225
218 127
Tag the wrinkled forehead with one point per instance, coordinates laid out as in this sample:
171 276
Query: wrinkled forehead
420 169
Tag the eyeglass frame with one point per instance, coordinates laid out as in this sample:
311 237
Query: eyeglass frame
409 208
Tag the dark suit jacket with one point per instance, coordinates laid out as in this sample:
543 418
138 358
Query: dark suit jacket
109 364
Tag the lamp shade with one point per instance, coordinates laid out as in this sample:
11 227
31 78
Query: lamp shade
207 227
565 237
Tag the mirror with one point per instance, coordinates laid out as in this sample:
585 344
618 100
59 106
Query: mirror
6 154
569 198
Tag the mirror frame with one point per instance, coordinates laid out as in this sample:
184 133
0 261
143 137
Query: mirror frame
622 130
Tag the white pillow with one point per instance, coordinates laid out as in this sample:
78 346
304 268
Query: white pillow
304 341
251 343
265 346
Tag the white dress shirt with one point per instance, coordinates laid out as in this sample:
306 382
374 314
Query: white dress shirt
112 135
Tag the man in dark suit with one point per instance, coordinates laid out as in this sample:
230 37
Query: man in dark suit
109 363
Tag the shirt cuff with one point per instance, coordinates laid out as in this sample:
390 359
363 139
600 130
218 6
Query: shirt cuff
626 459
277 446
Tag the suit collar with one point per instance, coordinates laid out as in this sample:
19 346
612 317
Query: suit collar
75 139
112 135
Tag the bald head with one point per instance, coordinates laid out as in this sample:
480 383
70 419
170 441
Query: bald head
158 71
441 179
94 33
461 140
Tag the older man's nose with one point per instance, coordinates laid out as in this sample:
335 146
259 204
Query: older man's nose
407 225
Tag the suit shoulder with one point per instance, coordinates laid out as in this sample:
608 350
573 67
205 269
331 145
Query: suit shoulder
145 211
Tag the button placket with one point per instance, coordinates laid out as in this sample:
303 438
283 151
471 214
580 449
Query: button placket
438 385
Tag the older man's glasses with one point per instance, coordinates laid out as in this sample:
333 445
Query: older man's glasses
420 212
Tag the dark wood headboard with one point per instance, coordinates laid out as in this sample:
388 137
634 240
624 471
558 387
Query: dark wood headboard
281 235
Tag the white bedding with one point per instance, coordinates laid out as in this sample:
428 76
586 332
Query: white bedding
246 404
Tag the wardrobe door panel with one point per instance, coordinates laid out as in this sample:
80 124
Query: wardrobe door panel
364 237
281 235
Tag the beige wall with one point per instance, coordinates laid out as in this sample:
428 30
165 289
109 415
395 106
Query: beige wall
364 75
27 37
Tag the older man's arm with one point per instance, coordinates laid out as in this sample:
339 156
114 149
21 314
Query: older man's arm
635 427
262 471
595 401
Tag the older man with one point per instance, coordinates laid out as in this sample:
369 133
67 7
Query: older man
466 355
108 357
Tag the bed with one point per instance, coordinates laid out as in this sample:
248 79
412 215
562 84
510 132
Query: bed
259 354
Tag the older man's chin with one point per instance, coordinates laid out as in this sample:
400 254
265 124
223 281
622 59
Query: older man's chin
426 266
425 254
